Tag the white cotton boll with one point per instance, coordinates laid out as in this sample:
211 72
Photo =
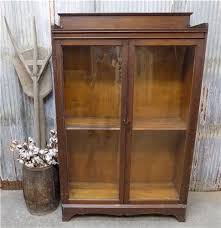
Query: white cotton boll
31 147
30 140
47 157
53 162
20 154
51 152
51 140
41 151
55 140
55 155
36 150
21 151
50 162
30 165
30 154
55 151
20 161
52 132
38 160
23 155
19 146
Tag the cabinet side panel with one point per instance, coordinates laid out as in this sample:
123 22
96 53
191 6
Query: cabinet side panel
58 85
193 116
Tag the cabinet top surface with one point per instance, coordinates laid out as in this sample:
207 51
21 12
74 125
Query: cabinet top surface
126 14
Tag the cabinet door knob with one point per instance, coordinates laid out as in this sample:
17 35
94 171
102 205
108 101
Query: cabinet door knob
126 122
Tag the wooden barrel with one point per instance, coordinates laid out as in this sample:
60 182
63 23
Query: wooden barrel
41 189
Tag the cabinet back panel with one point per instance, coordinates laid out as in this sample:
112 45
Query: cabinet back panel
153 156
155 160
93 156
159 82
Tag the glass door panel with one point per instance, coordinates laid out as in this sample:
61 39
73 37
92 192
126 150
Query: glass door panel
94 169
161 97
92 101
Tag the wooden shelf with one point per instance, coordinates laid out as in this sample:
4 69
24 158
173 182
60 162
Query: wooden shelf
159 124
153 191
93 191
114 124
92 123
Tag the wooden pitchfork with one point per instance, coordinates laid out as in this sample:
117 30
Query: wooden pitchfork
30 66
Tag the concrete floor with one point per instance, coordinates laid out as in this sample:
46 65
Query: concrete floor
204 211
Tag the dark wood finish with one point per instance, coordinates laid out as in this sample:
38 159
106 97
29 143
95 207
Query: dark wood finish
129 119
170 110
127 21
126 145
127 34
193 117
177 210
127 14
123 119
58 83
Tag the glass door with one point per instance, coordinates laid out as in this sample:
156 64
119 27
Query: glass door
93 76
161 84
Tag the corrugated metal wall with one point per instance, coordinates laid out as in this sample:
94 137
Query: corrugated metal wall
16 109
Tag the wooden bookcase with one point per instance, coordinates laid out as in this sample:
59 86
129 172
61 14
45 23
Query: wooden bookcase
127 92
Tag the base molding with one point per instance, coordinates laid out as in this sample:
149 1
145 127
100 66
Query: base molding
11 185
176 210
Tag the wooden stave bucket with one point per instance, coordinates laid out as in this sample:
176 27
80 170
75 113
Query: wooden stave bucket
41 189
